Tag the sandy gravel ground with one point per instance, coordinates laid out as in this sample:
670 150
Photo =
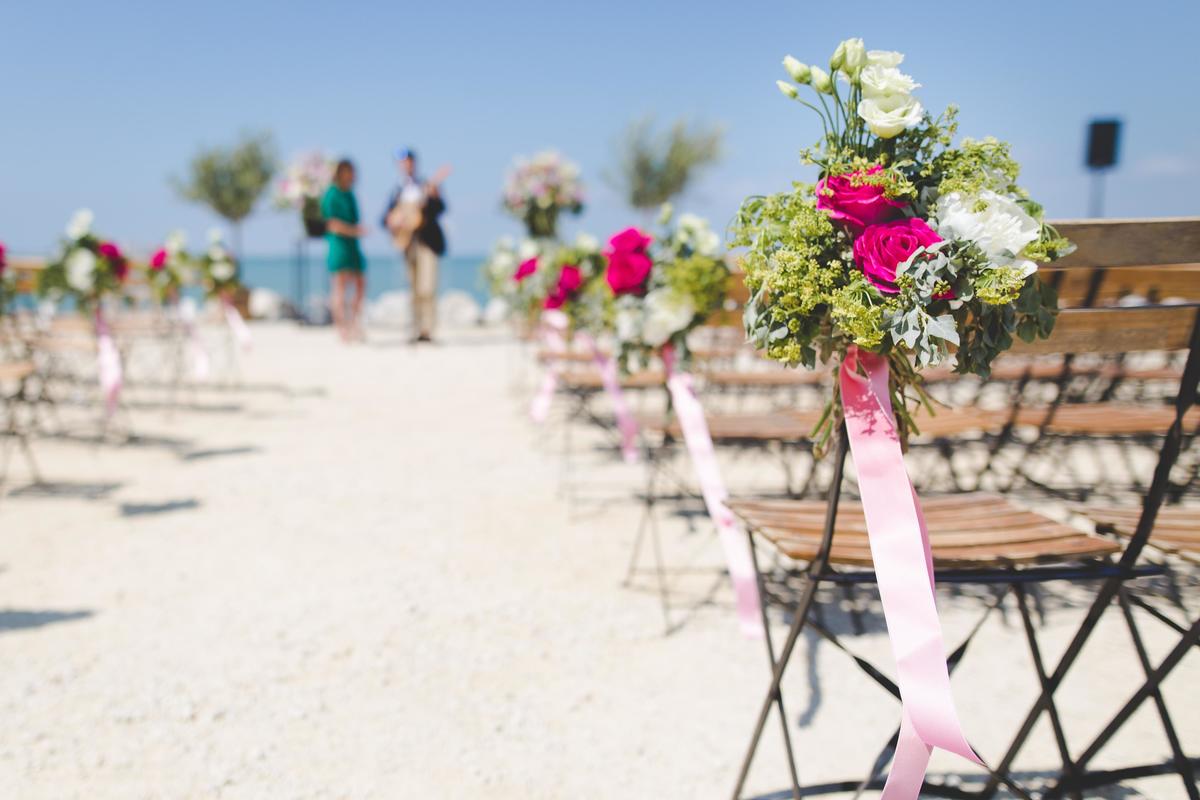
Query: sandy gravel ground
360 577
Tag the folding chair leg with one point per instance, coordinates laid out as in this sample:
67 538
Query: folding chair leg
774 695
1186 642
1181 761
1060 738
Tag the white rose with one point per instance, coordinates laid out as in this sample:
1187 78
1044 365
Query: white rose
626 323
880 81
1002 229
690 222
527 250
81 270
222 270
503 263
888 116
885 58
80 224
666 314
587 243
821 81
176 241
854 56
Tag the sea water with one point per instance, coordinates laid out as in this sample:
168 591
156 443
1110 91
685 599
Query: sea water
293 275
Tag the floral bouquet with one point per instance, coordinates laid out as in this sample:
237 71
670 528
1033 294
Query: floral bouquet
88 269
907 245
170 268
908 252
513 275
539 189
662 292
577 288
301 187
218 268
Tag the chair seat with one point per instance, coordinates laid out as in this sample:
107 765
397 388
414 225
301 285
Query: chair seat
590 380
577 356
967 530
1176 528
765 378
1107 419
780 426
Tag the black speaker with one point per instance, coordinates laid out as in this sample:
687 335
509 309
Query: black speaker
1102 143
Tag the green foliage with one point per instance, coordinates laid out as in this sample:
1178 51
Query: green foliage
230 180
654 167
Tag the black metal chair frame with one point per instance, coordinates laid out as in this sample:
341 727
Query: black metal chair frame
1113 574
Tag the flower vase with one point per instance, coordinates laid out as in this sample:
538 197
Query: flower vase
314 223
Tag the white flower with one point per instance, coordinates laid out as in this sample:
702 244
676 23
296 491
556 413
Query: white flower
821 81
81 269
885 58
80 224
888 116
176 241
850 56
666 314
798 70
505 243
587 243
626 323
1002 229
222 270
503 263
880 81
527 250
215 236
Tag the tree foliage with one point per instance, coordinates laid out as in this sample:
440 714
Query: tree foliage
655 166
230 180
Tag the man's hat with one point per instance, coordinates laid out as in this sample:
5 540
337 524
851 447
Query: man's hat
406 152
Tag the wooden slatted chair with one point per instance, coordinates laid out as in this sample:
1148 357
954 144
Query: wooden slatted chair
1012 547
15 376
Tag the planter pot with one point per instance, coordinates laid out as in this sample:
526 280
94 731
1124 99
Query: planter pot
310 214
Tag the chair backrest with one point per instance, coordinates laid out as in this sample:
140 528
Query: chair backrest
1154 259
1129 245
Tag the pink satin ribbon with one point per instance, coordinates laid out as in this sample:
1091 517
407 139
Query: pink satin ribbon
626 422
191 334
108 364
551 331
904 569
241 332
704 460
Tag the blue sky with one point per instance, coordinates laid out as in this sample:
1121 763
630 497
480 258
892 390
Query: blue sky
101 102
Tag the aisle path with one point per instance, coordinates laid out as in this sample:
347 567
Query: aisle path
372 589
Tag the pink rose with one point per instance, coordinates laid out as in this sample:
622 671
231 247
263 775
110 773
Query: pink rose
112 254
3 263
569 281
525 269
158 260
881 248
856 207
628 263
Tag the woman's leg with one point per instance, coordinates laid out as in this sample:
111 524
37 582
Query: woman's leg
338 302
359 279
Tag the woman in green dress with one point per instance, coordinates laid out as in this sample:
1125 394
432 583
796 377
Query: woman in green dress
345 260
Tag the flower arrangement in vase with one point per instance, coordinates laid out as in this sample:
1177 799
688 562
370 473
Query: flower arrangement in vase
301 187
539 189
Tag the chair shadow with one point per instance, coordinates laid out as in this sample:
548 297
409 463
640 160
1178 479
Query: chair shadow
66 489
146 509
217 452
16 620
200 408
